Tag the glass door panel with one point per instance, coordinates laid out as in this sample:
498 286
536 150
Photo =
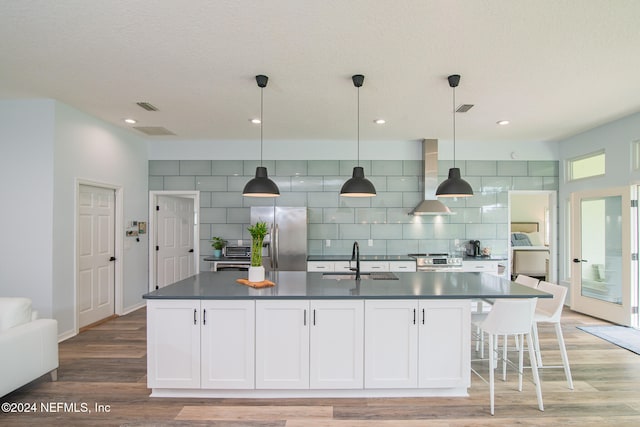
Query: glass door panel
601 262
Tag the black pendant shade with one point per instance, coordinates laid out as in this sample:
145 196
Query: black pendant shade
358 185
454 185
261 185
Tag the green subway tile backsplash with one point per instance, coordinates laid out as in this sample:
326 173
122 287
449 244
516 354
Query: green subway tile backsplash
382 220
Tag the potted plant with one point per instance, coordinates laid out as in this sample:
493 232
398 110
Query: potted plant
218 243
258 231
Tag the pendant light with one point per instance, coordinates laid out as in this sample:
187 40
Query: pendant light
358 185
261 185
454 186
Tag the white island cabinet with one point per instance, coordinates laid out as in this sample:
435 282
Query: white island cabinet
417 344
196 344
228 345
313 337
282 344
337 344
173 344
309 344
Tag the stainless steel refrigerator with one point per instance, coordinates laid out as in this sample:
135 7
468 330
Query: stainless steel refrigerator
285 247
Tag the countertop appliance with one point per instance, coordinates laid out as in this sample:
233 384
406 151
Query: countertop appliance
285 247
428 262
234 258
473 248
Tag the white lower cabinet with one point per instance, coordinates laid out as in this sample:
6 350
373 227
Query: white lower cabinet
173 343
417 344
391 340
200 344
309 344
336 344
332 344
227 344
480 266
282 344
443 344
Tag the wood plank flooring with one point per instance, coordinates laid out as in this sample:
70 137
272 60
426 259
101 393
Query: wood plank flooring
106 365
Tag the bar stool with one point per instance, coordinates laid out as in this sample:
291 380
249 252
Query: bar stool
511 317
549 310
521 279
529 281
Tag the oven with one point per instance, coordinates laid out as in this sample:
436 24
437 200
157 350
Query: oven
237 258
430 262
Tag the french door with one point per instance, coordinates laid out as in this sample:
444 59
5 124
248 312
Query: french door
604 273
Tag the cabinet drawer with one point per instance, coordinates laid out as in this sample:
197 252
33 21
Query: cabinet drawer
343 265
374 266
406 266
319 266
482 266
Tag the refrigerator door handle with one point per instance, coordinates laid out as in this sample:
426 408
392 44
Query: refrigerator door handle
276 250
270 247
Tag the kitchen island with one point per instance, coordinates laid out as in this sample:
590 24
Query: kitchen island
313 335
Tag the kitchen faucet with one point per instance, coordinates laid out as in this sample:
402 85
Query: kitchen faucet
355 255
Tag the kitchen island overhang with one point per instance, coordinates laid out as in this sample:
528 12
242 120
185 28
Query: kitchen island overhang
310 336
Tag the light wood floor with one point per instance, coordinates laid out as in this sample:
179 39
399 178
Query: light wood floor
106 365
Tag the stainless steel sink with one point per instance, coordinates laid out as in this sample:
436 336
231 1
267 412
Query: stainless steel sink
363 276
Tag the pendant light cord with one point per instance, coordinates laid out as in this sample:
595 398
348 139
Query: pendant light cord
358 153
261 124
454 126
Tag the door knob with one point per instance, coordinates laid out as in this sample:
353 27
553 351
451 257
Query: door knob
112 258
190 250
579 260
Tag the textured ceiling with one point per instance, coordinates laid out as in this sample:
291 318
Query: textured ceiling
552 67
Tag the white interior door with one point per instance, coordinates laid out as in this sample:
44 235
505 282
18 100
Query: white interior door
604 243
174 247
96 254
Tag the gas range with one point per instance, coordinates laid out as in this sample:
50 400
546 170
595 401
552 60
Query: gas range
437 262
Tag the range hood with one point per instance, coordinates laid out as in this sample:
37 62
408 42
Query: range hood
430 205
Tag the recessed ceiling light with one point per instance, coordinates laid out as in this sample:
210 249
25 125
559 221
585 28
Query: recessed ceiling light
379 121
130 121
255 121
503 122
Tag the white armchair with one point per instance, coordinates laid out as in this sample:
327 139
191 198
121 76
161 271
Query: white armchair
28 345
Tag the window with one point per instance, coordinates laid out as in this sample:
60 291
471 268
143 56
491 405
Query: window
586 166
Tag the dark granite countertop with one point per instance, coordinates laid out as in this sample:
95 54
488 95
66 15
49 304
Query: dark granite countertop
303 285
484 258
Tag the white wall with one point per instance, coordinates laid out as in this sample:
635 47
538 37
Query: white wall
345 149
26 192
89 149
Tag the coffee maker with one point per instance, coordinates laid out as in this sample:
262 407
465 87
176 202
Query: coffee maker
473 248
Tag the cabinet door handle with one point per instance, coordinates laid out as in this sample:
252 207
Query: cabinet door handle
305 317
423 316
314 317
195 319
414 316
204 316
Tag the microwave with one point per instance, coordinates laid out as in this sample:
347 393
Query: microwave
237 251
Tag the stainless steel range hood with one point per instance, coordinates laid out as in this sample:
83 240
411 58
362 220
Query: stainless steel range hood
430 205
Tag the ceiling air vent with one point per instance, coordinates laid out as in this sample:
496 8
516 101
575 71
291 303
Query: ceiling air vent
146 106
464 108
153 130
